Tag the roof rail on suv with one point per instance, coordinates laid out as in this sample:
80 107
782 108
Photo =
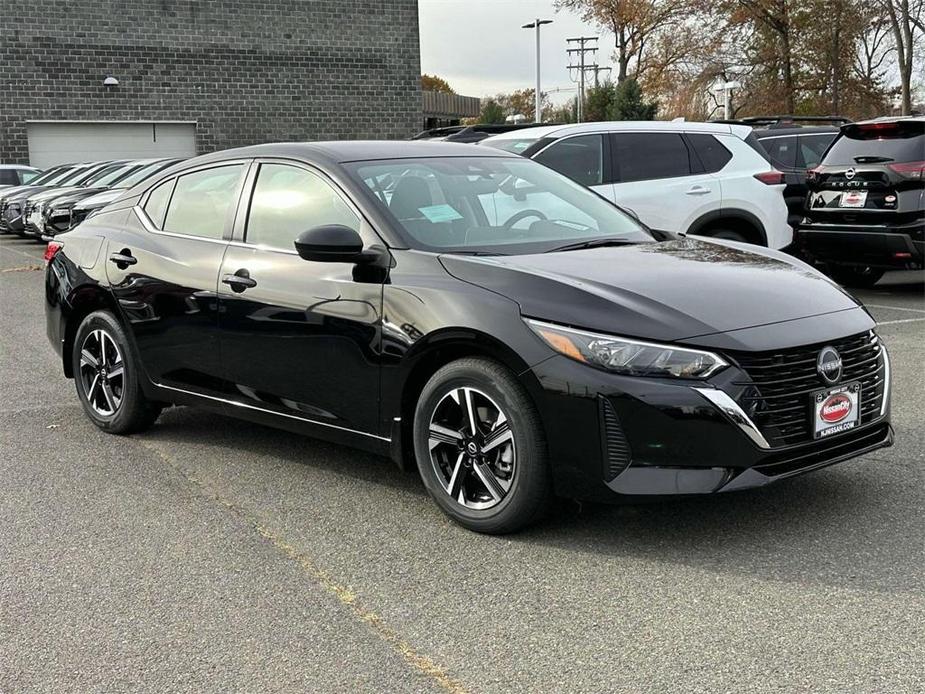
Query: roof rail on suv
783 121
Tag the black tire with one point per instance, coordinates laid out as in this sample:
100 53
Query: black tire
855 277
133 411
529 493
727 234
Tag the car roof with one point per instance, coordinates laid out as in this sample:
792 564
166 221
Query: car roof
339 152
19 167
741 131
889 119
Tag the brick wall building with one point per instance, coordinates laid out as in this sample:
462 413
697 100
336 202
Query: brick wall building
205 74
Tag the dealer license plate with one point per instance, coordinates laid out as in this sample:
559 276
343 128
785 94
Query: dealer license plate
836 409
853 198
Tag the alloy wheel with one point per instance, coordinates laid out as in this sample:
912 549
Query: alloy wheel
472 450
102 373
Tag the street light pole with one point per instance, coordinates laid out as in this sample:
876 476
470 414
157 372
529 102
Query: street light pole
538 109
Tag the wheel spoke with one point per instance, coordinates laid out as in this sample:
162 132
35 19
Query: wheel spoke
441 434
110 397
502 434
88 359
465 402
454 486
92 389
117 370
491 482
101 339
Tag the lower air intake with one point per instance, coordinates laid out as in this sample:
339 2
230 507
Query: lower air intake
615 448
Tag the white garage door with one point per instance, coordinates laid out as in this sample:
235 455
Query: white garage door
61 142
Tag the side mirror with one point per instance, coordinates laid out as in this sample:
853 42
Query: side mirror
332 243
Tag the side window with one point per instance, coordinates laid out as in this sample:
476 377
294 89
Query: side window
580 158
288 200
782 150
28 176
812 147
713 155
8 177
646 156
202 200
156 206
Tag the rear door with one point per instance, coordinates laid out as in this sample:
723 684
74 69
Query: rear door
163 264
657 176
871 175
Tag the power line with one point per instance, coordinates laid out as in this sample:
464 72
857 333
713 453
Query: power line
585 45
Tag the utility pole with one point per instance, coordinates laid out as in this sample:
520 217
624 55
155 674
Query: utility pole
538 110
585 44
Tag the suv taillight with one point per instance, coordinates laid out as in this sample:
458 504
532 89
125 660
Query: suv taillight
51 250
909 169
813 174
770 178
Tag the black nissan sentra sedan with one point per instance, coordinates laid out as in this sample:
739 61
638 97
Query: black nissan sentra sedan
469 311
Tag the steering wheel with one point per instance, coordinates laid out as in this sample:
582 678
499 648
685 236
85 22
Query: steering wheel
523 214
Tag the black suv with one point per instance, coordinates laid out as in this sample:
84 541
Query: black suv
865 213
793 148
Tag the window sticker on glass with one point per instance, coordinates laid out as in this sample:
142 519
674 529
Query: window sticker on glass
440 213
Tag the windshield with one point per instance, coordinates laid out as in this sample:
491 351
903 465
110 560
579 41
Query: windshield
112 174
53 176
102 174
144 172
496 205
76 176
898 141
517 146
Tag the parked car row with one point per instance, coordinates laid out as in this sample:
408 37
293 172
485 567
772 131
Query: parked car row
60 198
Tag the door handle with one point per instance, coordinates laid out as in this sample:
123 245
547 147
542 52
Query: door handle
123 258
239 281
697 190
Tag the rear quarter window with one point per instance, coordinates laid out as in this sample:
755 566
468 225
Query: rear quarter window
713 155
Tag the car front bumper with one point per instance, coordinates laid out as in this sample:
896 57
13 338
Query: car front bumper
610 436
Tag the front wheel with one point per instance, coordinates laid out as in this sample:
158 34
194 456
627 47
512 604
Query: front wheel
480 447
107 377
855 277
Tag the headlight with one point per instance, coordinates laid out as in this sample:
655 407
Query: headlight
626 356
58 212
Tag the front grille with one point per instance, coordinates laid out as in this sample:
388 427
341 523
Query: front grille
776 395
616 449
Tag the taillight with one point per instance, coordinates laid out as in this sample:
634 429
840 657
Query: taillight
51 250
770 178
813 174
909 169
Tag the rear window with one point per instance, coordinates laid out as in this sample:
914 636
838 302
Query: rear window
878 142
648 156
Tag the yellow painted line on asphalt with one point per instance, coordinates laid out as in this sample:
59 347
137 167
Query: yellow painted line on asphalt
419 662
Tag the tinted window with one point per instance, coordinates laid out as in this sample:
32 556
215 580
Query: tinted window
288 200
644 156
8 177
811 149
202 201
156 205
713 155
900 142
579 158
782 150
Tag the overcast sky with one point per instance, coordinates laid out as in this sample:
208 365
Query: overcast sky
478 46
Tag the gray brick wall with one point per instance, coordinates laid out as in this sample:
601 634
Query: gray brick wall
247 71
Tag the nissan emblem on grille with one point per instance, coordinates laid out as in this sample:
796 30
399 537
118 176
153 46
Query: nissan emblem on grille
849 174
828 365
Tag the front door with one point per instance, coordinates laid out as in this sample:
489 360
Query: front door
164 272
299 338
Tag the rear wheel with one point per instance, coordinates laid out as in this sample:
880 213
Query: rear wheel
856 277
727 234
107 377
480 447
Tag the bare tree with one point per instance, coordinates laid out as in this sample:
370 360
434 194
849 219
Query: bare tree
906 19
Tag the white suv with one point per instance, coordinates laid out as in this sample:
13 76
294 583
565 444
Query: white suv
710 179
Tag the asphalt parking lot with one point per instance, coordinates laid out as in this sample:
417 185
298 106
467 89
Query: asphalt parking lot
214 555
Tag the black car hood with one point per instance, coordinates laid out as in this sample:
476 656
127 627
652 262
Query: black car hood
678 290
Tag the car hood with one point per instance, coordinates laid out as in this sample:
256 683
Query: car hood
51 193
17 192
99 199
678 290
71 197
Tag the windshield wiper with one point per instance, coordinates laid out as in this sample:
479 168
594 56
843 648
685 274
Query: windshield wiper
591 243
871 159
461 252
